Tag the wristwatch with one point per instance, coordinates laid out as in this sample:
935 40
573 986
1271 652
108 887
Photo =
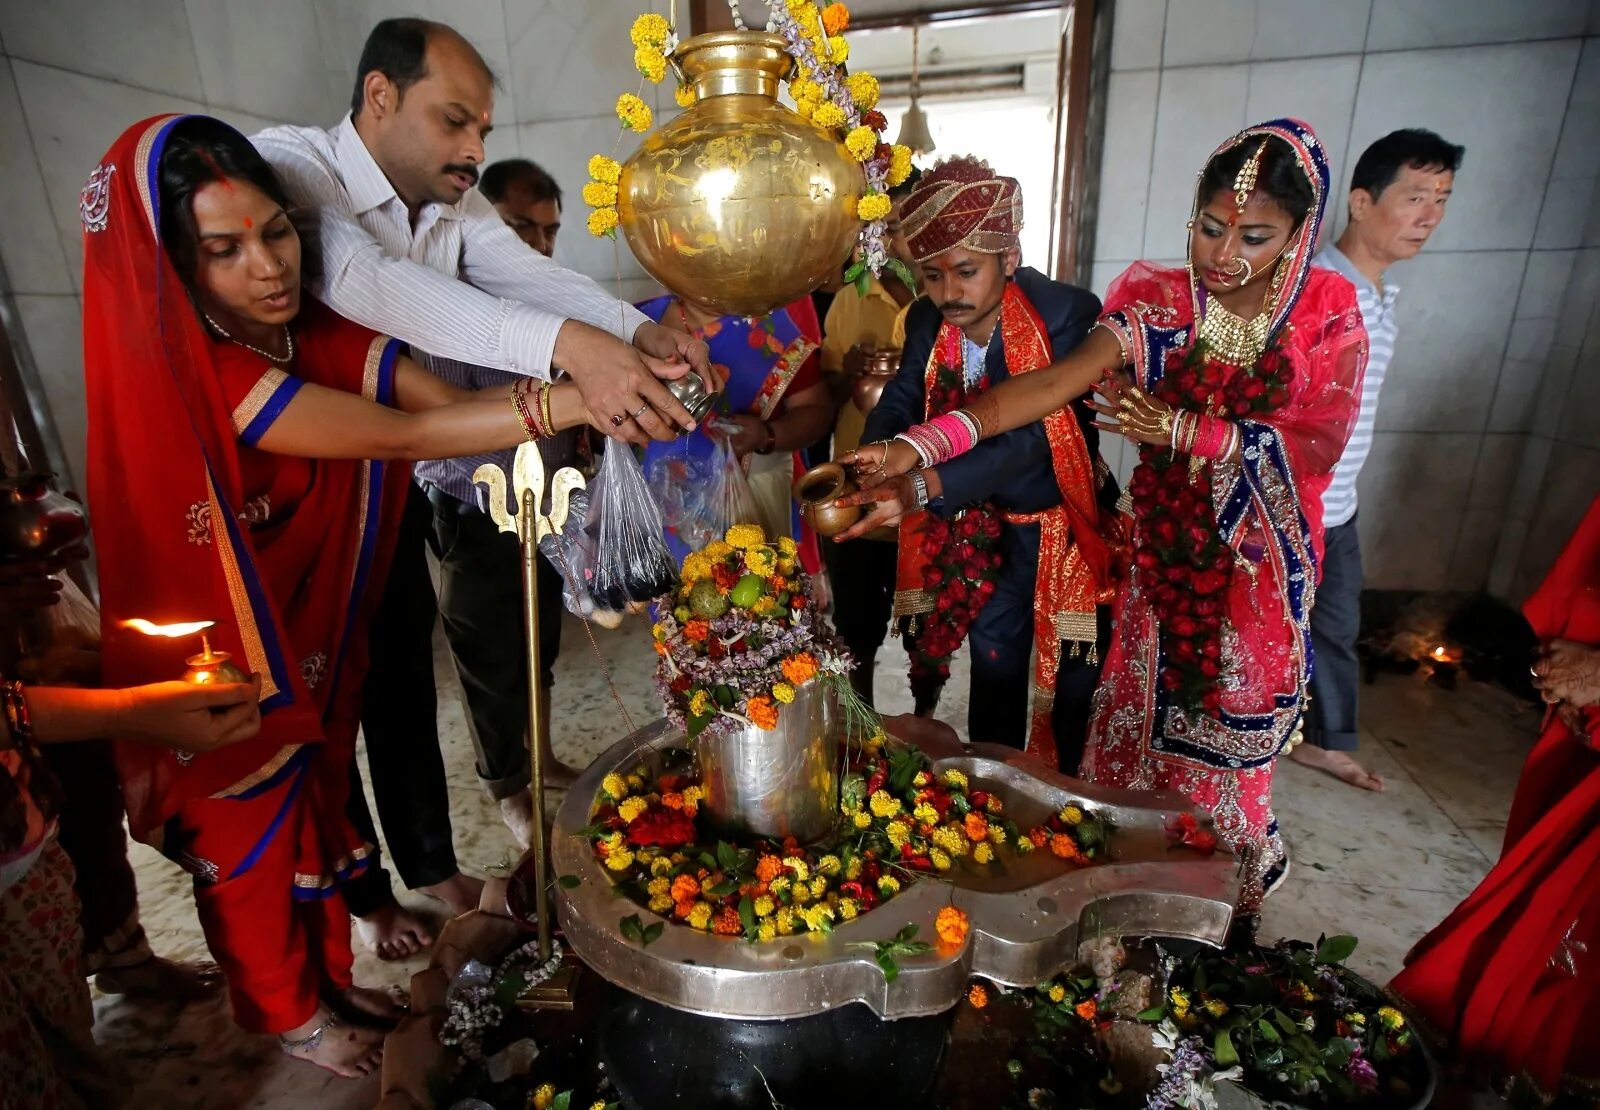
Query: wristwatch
772 440
919 489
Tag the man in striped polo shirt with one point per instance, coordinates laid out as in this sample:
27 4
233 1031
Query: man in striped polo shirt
1397 197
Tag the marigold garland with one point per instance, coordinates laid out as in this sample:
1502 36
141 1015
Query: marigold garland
634 113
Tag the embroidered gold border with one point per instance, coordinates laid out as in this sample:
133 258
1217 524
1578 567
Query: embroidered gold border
141 159
265 771
255 652
256 400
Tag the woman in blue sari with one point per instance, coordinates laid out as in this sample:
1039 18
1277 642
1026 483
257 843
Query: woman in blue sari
774 404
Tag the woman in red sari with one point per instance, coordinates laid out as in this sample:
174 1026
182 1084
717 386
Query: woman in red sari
1245 377
1510 978
239 441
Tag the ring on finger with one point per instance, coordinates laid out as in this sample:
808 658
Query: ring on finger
641 411
619 419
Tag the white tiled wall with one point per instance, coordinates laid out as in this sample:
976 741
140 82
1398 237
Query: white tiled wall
75 73
1496 380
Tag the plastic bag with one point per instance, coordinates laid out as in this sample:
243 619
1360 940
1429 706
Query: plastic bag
632 563
728 499
61 644
679 483
571 551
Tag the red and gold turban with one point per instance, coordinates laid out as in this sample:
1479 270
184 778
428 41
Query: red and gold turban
962 203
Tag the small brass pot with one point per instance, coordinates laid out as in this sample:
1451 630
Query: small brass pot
818 491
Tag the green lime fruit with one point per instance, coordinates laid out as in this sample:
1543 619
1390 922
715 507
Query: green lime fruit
748 591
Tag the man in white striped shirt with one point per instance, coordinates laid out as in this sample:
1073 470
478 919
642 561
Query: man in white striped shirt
1398 194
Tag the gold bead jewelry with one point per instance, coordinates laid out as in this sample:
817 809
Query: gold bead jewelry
1245 183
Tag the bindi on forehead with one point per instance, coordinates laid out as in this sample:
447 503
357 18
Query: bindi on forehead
248 223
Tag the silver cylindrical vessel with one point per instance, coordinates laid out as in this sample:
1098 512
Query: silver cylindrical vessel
779 783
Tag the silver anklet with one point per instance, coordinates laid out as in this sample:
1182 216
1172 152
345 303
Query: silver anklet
311 1040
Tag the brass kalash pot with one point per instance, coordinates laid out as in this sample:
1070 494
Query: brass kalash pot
739 203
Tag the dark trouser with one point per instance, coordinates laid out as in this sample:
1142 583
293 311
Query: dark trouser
1000 698
1335 627
91 833
863 599
399 717
480 598
1076 680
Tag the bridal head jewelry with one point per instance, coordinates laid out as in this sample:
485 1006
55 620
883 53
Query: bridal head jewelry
1245 182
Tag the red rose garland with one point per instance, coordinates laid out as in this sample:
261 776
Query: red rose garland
964 561
1184 564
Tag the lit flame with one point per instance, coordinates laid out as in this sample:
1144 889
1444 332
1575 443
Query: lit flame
1441 653
170 631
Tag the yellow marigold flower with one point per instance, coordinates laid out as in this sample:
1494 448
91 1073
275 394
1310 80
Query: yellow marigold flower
899 165
1356 1018
630 809
743 537
784 920
817 918
633 112
758 560
661 903
699 703
659 885
887 885
598 1104
921 778
1072 815
779 885
684 96
613 785
766 930
819 886
805 14
951 924
983 853
801 870
605 169
795 5
700 916
805 109
636 780
863 90
1180 1001
661 867
782 693
803 90
786 547
801 894
765 607
852 870
899 833
951 839
692 795
602 222
649 29
719 549
848 909
862 819
955 779
696 565
828 116
1023 845
861 142
836 18
829 865
883 803
1058 993
997 835
1391 1018
619 859
544 1096
876 205
764 905
940 858
650 63
838 50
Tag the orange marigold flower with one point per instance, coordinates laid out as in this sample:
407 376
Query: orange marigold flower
672 799
697 631
685 888
835 19
978 996
1064 846
951 925
977 826
727 923
1039 836
682 909
762 712
1085 1009
801 668
768 868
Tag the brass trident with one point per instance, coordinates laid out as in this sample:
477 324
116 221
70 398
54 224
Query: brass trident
531 524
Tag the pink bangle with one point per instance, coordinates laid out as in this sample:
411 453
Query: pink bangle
956 431
1212 437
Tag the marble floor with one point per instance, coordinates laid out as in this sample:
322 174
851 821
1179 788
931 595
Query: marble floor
1383 866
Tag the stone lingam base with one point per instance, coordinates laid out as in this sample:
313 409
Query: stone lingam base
1027 916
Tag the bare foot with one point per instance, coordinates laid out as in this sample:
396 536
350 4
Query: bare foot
460 892
517 812
393 932
1341 765
378 1006
162 978
346 1050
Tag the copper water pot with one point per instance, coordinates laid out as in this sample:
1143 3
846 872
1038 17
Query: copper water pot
35 520
818 491
881 367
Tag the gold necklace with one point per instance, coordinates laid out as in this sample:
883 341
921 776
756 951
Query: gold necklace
288 340
1233 339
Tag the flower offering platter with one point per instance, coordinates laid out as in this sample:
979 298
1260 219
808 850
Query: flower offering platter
1024 922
